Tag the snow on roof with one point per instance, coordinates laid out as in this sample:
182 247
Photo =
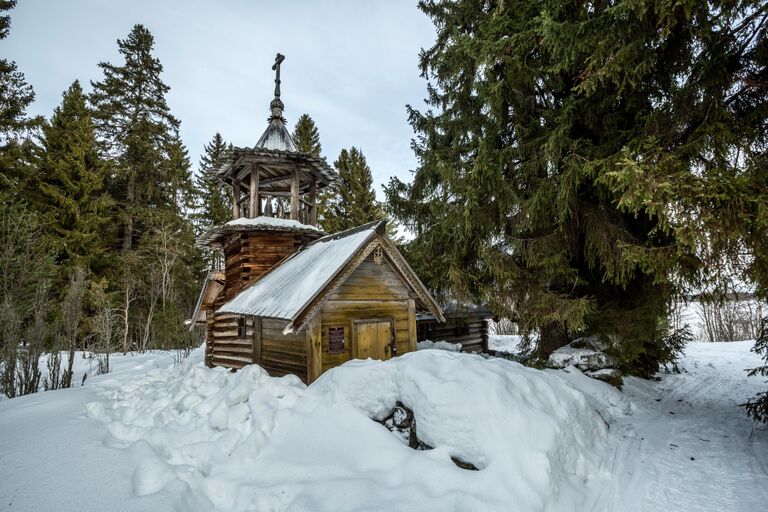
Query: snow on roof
284 291
213 275
272 223
213 236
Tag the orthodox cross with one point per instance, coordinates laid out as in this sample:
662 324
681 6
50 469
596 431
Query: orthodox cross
279 58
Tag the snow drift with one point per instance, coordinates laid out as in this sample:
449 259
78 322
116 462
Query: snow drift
248 441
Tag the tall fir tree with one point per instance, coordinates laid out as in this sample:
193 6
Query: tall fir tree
151 183
562 145
136 130
180 190
214 203
351 200
71 186
306 136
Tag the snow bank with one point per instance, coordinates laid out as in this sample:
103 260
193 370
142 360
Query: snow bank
194 417
85 366
507 343
247 441
585 353
438 345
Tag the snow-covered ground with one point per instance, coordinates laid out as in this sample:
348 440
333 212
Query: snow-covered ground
85 365
151 436
687 445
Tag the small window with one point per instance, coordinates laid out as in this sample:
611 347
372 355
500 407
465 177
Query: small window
424 331
378 255
241 327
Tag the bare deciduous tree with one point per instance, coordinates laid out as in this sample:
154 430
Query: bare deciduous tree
72 312
28 365
104 328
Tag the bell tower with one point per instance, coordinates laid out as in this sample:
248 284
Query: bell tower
274 200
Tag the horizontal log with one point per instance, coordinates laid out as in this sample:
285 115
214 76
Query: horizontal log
272 323
230 362
279 370
277 335
288 351
232 350
273 355
232 334
234 343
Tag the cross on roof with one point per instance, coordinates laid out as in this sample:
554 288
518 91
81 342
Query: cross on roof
279 58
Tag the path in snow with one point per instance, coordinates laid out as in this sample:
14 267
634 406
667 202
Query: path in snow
688 445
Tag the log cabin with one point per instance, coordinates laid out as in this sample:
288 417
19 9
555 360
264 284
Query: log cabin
464 324
291 298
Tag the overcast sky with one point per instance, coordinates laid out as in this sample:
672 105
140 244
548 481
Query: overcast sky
351 65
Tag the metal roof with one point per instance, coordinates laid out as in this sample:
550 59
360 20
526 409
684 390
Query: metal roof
276 136
287 289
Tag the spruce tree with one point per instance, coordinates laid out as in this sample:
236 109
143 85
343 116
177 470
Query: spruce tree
16 148
136 130
71 183
180 190
757 406
157 272
351 200
561 144
306 136
214 203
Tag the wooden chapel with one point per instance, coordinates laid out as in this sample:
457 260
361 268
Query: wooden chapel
291 298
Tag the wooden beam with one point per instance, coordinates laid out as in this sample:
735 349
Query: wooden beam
314 350
295 195
236 200
412 325
313 201
257 340
255 206
276 179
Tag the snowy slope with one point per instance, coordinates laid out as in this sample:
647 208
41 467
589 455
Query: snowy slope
52 457
191 438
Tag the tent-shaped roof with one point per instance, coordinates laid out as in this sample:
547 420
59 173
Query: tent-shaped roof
276 137
275 155
288 290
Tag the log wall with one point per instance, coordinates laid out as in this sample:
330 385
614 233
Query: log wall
475 340
248 255
226 347
283 354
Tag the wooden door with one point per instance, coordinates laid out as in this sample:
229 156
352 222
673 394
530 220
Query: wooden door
373 339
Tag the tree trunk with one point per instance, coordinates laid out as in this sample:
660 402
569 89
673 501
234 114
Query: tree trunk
553 336
131 196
